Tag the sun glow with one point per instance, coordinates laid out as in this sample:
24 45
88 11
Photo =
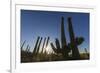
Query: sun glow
48 49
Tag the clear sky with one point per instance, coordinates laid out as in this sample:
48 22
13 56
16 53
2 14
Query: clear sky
47 23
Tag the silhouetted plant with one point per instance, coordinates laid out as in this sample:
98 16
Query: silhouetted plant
79 40
74 47
64 49
45 44
36 45
61 49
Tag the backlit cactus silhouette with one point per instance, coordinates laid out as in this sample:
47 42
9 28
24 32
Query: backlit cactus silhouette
74 47
56 49
37 54
79 40
61 50
64 49
45 44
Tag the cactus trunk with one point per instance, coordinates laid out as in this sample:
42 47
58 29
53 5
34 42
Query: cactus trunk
75 51
63 38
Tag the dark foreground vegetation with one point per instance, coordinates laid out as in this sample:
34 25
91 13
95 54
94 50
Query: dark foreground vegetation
61 49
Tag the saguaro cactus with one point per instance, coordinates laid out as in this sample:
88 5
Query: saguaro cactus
64 50
63 38
73 45
75 51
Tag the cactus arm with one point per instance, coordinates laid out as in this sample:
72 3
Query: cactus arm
71 31
57 44
79 40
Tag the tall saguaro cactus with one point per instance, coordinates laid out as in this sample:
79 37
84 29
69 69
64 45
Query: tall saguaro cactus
75 51
64 49
64 46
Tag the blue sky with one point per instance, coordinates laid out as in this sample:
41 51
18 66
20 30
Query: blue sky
47 23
